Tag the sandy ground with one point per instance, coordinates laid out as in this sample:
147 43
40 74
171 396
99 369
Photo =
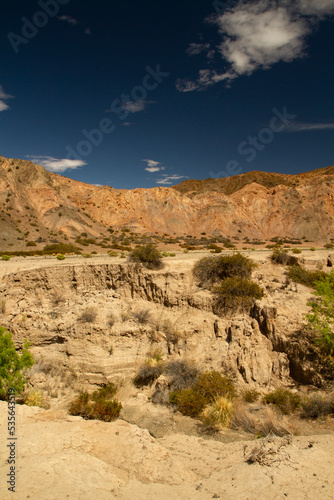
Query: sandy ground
181 261
59 457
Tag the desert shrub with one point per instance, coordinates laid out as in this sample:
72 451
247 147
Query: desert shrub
188 402
13 367
3 307
31 244
111 319
321 319
212 269
35 398
88 315
219 413
61 248
142 316
60 257
316 405
282 257
213 384
313 249
270 422
250 395
5 257
58 297
181 374
301 275
285 400
147 255
112 253
237 293
98 406
296 250
148 373
86 255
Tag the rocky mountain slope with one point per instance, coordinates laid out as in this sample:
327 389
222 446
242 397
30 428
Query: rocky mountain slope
37 205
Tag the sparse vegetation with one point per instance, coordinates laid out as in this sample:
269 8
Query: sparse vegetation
60 257
5 257
287 401
101 405
148 372
280 256
299 274
209 270
148 255
209 387
237 294
142 316
88 315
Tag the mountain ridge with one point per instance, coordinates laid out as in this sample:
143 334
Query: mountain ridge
37 205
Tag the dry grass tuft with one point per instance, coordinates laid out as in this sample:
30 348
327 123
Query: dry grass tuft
269 451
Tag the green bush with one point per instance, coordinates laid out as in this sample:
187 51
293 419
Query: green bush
321 319
31 244
205 391
209 270
250 395
296 250
5 257
147 255
98 406
60 257
301 275
213 384
13 368
285 400
237 293
188 402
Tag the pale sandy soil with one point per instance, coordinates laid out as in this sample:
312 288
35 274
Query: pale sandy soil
181 261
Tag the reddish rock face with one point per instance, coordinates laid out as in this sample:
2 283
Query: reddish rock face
254 205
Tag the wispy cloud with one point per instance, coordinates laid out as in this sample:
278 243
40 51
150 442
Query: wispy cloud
169 179
56 165
3 97
136 106
74 22
300 127
256 35
68 19
153 166
197 48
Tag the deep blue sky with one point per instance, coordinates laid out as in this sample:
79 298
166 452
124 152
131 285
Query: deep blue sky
225 77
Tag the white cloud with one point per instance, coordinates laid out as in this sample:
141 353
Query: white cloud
87 31
153 166
126 124
256 35
55 165
68 19
169 179
3 98
300 127
136 106
196 48
318 8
